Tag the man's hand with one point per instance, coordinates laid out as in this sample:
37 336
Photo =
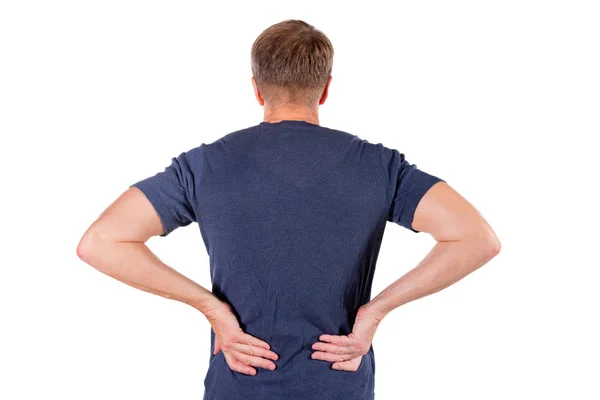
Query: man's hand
346 351
241 350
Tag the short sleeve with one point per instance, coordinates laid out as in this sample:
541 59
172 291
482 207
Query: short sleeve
407 185
172 192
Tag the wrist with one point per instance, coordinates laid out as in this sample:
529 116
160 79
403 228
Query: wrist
209 305
377 308
217 312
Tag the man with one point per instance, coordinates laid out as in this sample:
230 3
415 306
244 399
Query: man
292 215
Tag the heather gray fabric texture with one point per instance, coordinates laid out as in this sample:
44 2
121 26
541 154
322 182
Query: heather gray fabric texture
292 215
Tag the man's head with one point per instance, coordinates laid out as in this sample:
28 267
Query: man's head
291 65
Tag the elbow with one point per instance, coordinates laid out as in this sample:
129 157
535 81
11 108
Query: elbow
84 248
486 241
491 245
88 244
494 246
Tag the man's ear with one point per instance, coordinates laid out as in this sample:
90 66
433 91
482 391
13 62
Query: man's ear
325 91
257 94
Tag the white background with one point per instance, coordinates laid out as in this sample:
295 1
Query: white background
501 99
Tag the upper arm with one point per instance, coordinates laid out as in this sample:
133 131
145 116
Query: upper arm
130 218
406 186
423 202
172 192
447 215
157 204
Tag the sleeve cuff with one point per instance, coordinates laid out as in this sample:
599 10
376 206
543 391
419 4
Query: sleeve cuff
154 197
425 182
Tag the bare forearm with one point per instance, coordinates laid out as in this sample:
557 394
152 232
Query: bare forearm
134 264
445 264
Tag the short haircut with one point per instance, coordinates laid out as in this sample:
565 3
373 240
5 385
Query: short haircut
291 62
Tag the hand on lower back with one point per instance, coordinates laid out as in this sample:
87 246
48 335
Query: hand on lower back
241 350
346 351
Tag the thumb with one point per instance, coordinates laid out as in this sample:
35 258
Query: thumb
217 347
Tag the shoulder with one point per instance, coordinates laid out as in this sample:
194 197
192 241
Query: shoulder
358 138
375 151
355 140
228 143
237 137
231 138
340 134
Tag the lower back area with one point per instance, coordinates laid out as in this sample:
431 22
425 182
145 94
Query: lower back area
297 377
289 310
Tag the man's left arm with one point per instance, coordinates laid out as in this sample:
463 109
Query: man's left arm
115 244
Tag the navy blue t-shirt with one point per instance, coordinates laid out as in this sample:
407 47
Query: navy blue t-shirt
292 215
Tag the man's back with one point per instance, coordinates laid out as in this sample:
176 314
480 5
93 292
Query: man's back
292 215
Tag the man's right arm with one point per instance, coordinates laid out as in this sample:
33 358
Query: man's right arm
465 242
421 202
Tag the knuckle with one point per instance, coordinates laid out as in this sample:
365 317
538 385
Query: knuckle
363 348
238 337
244 360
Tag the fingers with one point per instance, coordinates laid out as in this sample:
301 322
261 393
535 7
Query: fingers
246 351
252 341
254 361
350 365
332 348
254 351
337 348
239 366
340 340
331 357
